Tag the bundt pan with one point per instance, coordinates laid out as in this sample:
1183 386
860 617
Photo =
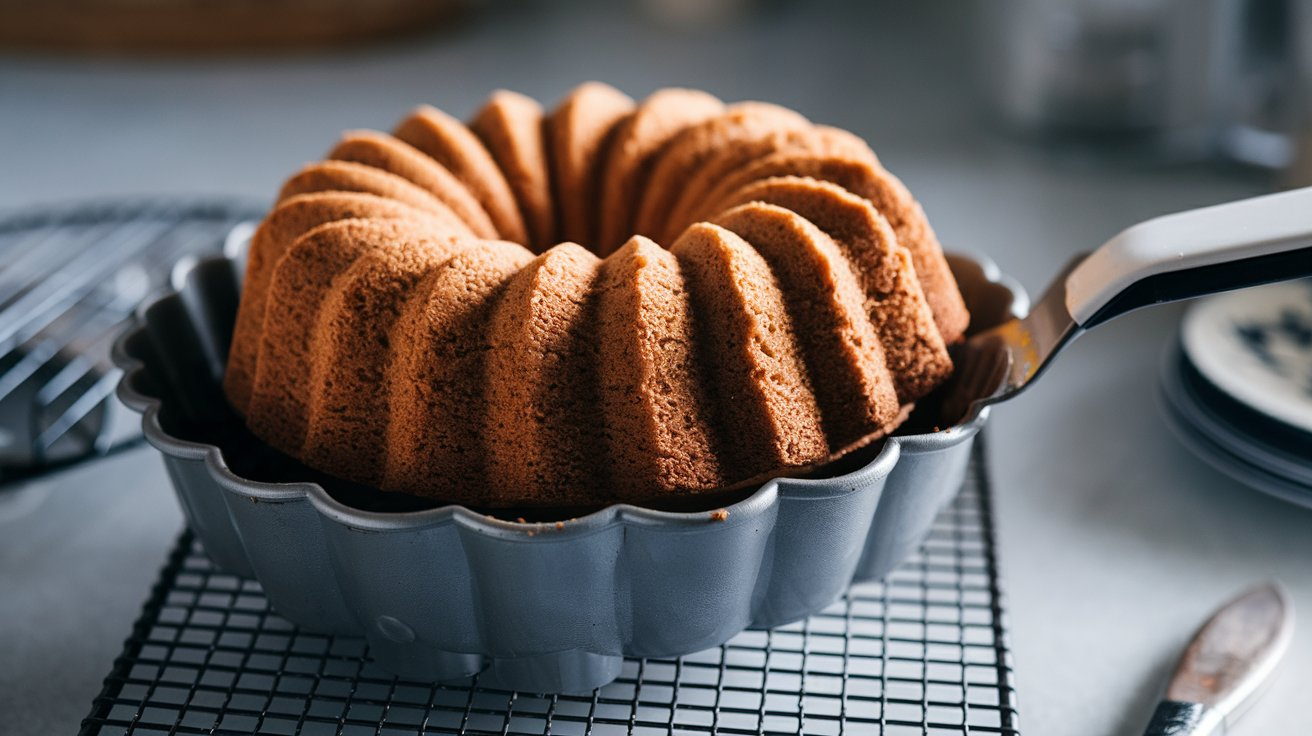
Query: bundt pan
443 593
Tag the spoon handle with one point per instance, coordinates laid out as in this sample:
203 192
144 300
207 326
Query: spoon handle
1187 254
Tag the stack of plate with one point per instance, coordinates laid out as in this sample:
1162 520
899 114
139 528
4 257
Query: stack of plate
1237 387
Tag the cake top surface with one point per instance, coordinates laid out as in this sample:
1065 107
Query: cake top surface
608 300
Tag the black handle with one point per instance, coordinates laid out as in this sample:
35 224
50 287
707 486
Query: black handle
1174 718
1176 285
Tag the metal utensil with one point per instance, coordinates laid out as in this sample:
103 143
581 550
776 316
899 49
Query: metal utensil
1225 663
1202 251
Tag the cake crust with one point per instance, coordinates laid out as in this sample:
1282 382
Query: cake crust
435 381
888 195
682 158
542 432
384 152
510 126
628 158
302 281
291 219
578 131
451 144
348 176
767 405
708 182
349 404
654 397
895 305
839 346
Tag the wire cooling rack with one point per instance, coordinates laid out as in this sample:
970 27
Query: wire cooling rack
70 277
924 652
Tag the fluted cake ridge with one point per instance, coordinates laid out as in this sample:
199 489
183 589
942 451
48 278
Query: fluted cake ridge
610 301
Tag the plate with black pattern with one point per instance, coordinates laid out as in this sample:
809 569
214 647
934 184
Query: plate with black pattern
1255 346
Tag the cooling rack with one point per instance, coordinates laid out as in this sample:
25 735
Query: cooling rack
70 277
924 652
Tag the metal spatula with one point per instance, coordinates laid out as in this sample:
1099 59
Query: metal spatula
1229 246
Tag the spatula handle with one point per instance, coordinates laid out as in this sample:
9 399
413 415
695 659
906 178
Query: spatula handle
1175 718
1229 246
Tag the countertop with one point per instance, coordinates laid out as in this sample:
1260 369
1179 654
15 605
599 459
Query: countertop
1115 543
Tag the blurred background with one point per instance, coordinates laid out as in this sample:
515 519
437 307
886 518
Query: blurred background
1031 130
235 92
115 97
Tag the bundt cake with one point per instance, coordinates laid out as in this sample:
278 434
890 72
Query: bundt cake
612 301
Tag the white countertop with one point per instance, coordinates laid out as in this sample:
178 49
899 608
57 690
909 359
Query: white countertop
1115 543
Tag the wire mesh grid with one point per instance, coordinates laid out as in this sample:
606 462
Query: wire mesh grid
69 280
924 652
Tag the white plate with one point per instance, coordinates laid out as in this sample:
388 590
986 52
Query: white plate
1220 458
1256 346
1246 442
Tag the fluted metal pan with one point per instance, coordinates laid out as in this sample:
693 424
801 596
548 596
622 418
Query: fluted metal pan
442 593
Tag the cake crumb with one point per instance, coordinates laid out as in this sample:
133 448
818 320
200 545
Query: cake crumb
720 515
560 525
520 520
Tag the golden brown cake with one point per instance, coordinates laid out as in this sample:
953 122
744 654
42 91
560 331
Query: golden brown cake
630 155
390 155
510 125
688 151
578 132
746 294
455 147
